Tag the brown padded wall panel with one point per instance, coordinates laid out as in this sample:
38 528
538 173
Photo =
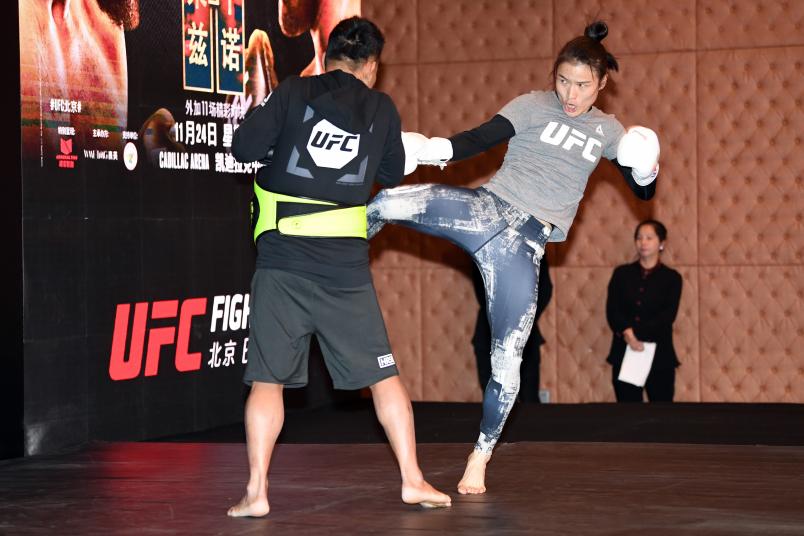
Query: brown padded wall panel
458 96
685 338
749 23
400 82
602 233
484 30
750 119
751 334
398 21
583 335
449 310
399 292
396 247
656 90
634 27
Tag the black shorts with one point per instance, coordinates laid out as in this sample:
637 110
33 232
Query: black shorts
287 309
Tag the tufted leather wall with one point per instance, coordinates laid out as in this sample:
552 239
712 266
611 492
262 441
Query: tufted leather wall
720 82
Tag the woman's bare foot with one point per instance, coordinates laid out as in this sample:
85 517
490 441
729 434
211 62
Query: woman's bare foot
425 495
250 506
474 477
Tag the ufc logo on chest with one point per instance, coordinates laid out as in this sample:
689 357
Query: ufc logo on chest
569 138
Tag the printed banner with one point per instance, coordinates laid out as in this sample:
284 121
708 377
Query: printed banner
137 247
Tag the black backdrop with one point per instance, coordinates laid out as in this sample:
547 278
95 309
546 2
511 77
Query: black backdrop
98 239
11 378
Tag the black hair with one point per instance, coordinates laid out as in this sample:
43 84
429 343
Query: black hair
354 39
588 50
658 227
124 13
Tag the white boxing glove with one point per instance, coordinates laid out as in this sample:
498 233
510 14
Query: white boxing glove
639 150
413 142
436 151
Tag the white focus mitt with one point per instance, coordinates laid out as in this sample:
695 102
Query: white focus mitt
413 142
436 151
639 150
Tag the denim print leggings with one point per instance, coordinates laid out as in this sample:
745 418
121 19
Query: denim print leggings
507 245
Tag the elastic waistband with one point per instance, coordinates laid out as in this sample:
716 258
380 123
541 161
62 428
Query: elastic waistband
338 222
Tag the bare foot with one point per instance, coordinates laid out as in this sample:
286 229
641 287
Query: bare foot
474 477
250 506
425 495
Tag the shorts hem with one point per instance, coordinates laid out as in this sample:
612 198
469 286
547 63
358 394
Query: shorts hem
353 386
249 381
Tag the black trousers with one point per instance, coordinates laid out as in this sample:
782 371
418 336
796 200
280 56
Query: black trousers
660 386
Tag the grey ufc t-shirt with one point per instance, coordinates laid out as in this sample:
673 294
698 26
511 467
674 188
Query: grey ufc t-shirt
551 156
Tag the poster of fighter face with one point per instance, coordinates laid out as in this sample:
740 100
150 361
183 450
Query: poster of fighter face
137 249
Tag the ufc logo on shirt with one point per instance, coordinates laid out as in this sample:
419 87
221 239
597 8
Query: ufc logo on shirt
569 138
331 147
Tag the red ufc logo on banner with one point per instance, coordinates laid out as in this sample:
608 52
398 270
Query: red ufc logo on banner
121 368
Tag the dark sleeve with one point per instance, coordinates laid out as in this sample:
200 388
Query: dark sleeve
481 138
660 323
256 136
545 287
615 311
392 166
642 192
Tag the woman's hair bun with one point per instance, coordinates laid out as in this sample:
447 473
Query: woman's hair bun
597 31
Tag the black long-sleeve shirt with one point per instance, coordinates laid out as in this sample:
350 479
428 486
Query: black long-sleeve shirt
326 137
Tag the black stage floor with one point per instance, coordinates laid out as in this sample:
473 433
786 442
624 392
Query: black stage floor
745 476
533 488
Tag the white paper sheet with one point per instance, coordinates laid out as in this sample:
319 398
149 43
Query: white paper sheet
636 365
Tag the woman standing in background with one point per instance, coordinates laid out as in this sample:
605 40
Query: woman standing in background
641 306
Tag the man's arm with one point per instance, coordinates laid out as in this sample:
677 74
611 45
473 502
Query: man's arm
392 166
256 136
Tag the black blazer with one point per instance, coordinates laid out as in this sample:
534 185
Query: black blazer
647 302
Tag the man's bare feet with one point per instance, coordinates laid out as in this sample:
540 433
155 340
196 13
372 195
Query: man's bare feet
425 495
474 477
250 506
